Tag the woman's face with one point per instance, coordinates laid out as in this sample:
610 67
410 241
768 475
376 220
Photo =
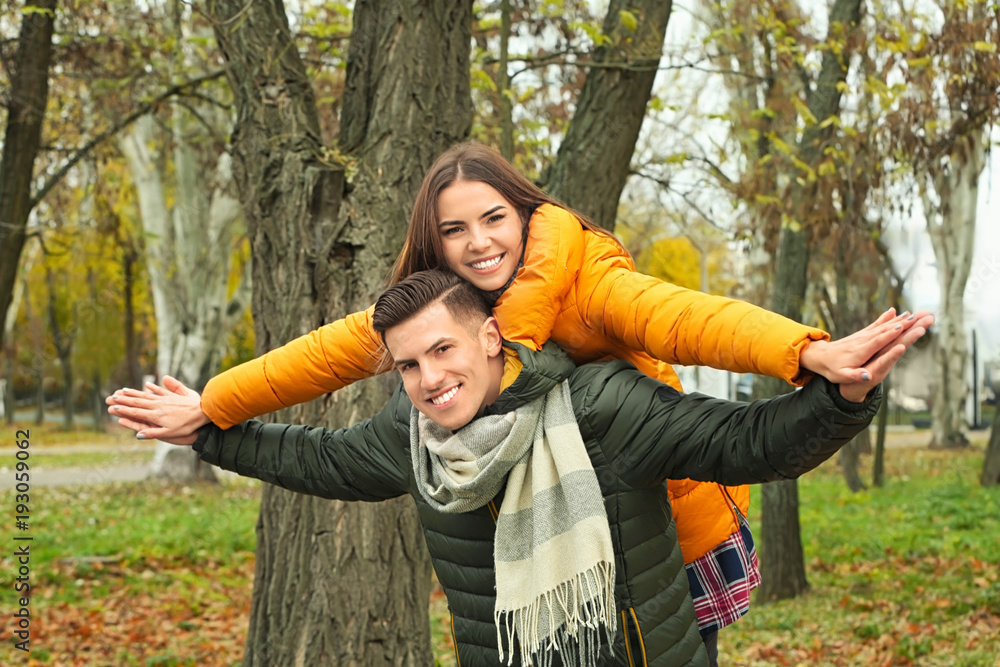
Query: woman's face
481 233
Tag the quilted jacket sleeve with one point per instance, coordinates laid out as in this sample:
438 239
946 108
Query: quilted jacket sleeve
682 326
649 431
329 358
369 461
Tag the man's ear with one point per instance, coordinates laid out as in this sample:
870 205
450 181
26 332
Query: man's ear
489 334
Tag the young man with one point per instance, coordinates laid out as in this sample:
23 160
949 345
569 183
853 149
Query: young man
540 485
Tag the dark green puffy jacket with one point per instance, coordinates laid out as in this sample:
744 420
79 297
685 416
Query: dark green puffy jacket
638 433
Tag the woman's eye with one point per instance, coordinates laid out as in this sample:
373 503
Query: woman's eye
496 218
451 231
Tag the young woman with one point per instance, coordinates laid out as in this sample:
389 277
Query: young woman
553 274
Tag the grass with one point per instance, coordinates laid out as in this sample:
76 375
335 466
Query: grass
52 434
139 574
153 574
902 575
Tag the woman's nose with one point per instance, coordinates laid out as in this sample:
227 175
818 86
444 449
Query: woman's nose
478 238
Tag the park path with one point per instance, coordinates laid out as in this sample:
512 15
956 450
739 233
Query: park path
107 473
45 475
79 476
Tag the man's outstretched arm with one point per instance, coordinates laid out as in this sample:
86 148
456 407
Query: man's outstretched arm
651 432
369 461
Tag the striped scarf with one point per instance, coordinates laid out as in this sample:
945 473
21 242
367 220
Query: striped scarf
555 564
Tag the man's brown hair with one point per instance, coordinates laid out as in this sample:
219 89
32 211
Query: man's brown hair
419 290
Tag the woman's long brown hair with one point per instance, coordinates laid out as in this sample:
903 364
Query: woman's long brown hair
469 161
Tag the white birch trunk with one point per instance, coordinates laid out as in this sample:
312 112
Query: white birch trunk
950 191
189 247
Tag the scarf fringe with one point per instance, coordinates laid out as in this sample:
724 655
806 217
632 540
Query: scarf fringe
585 605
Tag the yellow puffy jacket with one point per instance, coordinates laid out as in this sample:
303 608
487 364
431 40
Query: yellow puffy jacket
580 289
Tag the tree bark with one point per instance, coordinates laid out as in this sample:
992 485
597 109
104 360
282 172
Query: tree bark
8 394
950 193
29 87
782 563
783 573
991 464
848 458
878 461
338 583
129 258
592 165
62 340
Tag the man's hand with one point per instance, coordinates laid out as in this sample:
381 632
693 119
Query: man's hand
877 367
846 360
171 413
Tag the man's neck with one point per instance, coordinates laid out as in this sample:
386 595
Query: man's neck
496 378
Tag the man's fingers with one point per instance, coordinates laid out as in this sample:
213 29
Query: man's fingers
880 367
157 389
175 385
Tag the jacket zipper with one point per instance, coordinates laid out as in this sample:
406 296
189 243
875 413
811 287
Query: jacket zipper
736 508
638 652
454 640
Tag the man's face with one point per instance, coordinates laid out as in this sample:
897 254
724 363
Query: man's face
448 372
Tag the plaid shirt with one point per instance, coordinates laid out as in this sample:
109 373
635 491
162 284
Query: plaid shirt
722 579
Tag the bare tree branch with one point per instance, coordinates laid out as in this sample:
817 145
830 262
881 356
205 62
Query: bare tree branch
84 150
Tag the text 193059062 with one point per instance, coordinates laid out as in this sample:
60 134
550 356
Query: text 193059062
21 634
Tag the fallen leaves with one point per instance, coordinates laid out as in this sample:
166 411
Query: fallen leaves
144 620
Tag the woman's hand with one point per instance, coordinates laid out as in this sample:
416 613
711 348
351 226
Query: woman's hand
171 413
847 360
879 365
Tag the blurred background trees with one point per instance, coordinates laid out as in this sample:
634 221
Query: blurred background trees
781 152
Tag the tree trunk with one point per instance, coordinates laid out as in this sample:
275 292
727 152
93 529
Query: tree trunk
189 246
338 583
950 193
783 573
40 396
29 94
97 405
782 564
62 340
8 394
991 464
848 458
134 373
878 461
503 86
592 165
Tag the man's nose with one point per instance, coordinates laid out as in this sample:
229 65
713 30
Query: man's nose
431 377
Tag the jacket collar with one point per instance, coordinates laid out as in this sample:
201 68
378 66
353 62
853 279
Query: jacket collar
540 372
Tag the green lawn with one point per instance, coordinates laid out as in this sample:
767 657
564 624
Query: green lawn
154 574
906 574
